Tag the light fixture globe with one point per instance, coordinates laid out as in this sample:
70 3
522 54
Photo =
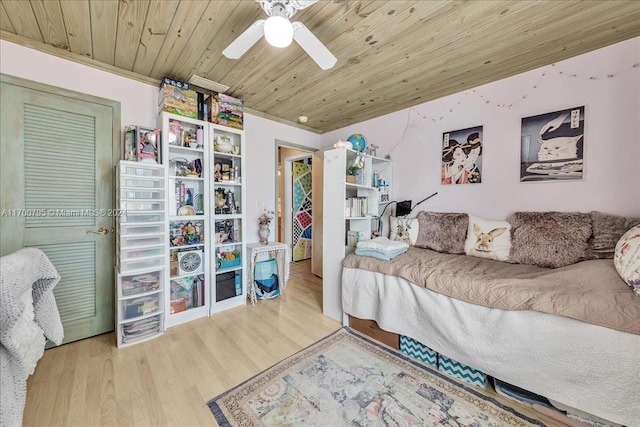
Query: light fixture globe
278 31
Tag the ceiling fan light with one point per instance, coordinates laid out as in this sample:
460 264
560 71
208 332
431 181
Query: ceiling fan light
278 31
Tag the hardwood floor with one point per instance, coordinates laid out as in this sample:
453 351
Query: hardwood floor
168 380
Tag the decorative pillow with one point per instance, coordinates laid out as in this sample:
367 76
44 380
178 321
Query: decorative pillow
627 258
442 232
404 229
488 238
607 231
549 239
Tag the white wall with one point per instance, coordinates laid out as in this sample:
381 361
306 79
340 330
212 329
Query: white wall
611 182
138 106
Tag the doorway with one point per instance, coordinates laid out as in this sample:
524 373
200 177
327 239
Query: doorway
58 149
293 199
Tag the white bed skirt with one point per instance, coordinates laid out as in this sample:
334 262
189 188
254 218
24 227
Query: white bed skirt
584 366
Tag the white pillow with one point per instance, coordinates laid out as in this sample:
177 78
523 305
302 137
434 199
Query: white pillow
488 238
404 229
627 258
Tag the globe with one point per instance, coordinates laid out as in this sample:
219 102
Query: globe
358 141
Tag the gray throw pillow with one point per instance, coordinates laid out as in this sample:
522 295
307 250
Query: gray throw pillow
549 239
442 232
607 230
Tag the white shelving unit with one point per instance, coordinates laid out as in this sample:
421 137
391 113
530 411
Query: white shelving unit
205 229
228 202
187 156
346 210
141 245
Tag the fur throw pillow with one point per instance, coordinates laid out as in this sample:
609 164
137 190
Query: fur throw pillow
442 232
607 230
549 239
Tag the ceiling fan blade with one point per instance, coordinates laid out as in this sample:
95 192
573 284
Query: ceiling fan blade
243 43
314 47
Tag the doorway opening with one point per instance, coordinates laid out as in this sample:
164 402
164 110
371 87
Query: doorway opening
294 209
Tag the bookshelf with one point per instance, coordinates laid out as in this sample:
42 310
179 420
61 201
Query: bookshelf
348 214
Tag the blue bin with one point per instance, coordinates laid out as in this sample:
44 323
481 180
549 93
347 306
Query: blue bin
266 281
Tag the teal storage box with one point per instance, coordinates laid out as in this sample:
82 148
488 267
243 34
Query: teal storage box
266 281
462 372
416 349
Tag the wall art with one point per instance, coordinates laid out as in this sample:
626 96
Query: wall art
462 157
552 146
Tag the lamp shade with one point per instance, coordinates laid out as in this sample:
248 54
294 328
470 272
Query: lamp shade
278 31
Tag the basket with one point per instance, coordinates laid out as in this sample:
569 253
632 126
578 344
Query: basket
351 179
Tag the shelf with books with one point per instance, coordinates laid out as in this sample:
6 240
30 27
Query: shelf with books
348 213
227 217
187 185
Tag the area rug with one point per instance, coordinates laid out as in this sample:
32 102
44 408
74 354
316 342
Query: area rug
346 379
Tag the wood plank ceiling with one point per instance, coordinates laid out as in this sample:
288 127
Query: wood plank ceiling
391 54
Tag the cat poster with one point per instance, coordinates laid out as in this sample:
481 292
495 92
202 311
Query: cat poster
462 157
552 146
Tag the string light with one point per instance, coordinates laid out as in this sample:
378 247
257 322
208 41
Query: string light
550 69
546 72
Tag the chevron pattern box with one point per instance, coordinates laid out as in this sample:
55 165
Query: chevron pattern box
418 350
462 372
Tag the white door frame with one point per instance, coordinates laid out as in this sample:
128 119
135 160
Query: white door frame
287 206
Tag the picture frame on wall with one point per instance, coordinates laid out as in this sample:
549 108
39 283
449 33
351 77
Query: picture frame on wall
462 156
552 146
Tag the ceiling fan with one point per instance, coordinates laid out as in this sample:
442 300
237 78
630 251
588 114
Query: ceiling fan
279 32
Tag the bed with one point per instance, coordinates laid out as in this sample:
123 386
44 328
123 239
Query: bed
571 334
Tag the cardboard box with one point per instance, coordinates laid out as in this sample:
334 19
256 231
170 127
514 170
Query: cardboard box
176 97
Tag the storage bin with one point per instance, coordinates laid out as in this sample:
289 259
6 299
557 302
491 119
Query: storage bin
266 281
138 205
416 349
142 182
129 265
140 330
142 217
462 372
139 306
141 252
134 228
137 240
228 285
134 284
141 170
142 195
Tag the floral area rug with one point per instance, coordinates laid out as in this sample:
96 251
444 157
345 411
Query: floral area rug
347 380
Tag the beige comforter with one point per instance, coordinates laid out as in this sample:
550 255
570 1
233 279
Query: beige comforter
590 291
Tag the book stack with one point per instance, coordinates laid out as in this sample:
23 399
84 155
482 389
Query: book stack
356 207
176 97
353 237
226 110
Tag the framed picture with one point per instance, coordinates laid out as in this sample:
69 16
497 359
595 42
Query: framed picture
552 146
148 145
462 157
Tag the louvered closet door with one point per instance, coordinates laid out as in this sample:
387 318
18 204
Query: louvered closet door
57 157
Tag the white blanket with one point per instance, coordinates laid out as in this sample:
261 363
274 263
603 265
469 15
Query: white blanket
584 366
28 315
381 248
